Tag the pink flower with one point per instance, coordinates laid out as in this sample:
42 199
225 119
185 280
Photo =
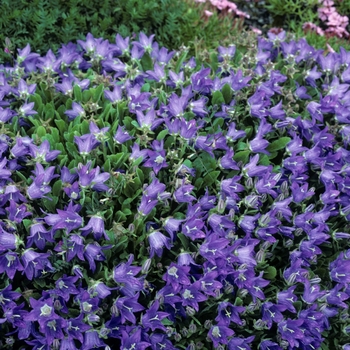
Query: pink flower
208 13
256 30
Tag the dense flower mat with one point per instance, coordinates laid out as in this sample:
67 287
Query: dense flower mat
151 202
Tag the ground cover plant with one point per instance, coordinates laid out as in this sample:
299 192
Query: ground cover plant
149 201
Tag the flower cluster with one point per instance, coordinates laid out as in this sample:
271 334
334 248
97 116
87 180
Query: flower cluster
151 202
336 24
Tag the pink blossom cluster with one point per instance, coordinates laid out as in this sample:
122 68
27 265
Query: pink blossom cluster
336 23
224 5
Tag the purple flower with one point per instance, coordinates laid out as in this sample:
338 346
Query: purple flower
286 299
228 313
233 134
219 334
157 158
76 328
121 135
152 318
182 194
92 178
133 340
77 110
34 264
65 219
86 143
146 205
157 242
301 192
10 263
240 343
213 247
269 345
191 296
127 307
96 226
26 109
177 275
271 313
93 252
290 331
125 274
39 236
92 340
145 42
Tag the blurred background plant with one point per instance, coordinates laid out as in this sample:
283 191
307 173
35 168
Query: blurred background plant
200 25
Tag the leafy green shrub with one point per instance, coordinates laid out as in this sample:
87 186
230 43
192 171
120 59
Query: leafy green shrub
46 24
148 201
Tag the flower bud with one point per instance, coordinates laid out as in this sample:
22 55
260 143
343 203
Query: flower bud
192 328
146 266
190 311
208 324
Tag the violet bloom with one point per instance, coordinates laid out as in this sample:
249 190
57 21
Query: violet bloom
271 313
92 178
92 341
148 121
76 111
127 307
157 242
145 42
191 296
136 153
219 334
65 219
27 109
43 153
115 96
240 343
76 328
125 274
290 331
24 90
269 345
39 236
152 318
228 313
134 340
96 226
50 324
157 158
121 135
40 187
182 194
17 212
146 205
86 143
34 264
93 252
177 275
10 263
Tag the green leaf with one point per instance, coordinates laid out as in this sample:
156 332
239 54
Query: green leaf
61 124
162 135
180 62
214 62
264 159
242 156
146 87
270 273
210 178
77 93
57 188
218 98
227 93
96 96
86 95
40 131
50 204
278 144
84 127
184 241
27 223
146 62
71 148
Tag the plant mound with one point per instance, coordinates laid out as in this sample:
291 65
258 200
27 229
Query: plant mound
148 201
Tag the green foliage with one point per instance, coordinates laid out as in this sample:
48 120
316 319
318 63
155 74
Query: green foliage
46 24
300 10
